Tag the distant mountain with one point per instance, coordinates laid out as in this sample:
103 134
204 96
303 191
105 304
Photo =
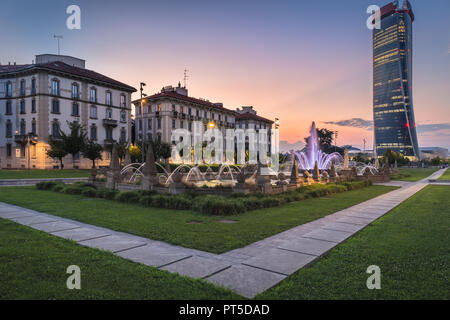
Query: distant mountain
286 146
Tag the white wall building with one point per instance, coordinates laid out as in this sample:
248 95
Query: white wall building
36 100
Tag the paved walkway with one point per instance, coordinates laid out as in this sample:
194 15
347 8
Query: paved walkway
249 270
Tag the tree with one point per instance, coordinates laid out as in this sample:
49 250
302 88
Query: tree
92 151
435 161
75 141
393 156
326 138
135 153
57 151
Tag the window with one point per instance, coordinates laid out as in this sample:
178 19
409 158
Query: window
173 123
33 106
22 87
246 125
75 110
93 112
55 106
181 124
33 86
123 116
33 126
123 101
22 106
108 133
8 108
159 108
109 113
22 151
108 98
9 89
55 87
173 108
190 126
159 123
23 127
123 135
93 95
55 129
181 109
197 113
93 133
9 129
149 124
189 111
205 114
75 92
9 150
140 124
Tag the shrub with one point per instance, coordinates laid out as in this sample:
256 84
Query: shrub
71 189
46 185
105 193
146 201
214 205
82 184
160 201
253 203
179 202
269 202
89 192
59 187
128 196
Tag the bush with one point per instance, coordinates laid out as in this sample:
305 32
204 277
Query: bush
214 205
108 194
82 184
160 201
253 203
179 202
59 187
146 201
89 192
128 196
71 189
45 185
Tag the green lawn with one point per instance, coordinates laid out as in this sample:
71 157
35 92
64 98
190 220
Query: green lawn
411 245
187 228
446 175
33 266
42 174
412 174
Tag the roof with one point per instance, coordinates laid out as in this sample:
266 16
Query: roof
174 95
391 8
251 116
59 66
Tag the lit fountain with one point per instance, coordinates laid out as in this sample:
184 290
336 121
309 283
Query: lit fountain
307 159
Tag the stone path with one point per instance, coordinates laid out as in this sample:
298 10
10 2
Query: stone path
249 270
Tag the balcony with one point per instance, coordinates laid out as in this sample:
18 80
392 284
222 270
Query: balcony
190 117
174 114
110 123
157 114
21 138
108 142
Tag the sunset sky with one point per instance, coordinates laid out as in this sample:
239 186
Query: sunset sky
300 61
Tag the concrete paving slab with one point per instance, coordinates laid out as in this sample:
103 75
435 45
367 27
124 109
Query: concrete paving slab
308 246
354 220
152 256
33 219
280 261
328 235
55 226
112 243
347 227
81 234
197 267
246 280
15 214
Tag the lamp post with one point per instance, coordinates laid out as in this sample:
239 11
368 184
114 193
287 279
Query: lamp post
142 119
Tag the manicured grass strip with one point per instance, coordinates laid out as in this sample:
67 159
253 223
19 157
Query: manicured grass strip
412 174
411 245
445 175
33 266
42 174
187 228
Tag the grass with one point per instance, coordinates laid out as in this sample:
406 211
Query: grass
445 175
33 266
42 174
412 174
187 228
411 245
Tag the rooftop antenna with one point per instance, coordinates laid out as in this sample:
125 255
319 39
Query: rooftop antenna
58 38
186 77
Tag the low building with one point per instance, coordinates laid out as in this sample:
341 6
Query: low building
247 118
38 100
433 152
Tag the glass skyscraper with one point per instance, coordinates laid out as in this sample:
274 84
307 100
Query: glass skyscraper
393 113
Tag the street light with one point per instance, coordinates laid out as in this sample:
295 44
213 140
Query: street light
142 85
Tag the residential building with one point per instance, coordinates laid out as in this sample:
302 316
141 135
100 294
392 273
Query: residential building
38 100
393 112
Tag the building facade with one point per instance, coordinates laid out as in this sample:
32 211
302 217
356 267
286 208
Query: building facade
159 114
38 100
393 112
